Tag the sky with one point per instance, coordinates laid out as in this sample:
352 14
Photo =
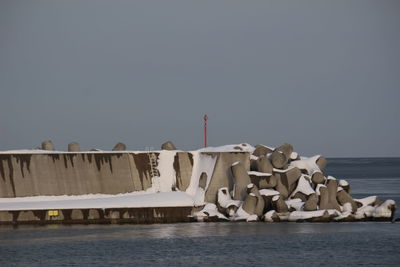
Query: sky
321 75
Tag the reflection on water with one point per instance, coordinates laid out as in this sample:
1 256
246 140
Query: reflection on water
221 244
217 244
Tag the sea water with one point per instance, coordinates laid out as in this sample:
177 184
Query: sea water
223 244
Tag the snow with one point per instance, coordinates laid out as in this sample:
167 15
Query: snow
295 203
318 187
269 215
343 183
244 147
268 192
294 155
201 163
308 164
209 210
167 179
283 170
252 157
252 218
98 201
229 148
261 174
225 200
304 215
366 201
240 215
383 210
303 186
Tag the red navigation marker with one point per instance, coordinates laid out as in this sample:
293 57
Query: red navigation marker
205 129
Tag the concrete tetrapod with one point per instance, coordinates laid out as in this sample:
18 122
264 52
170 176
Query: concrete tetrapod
278 159
279 204
289 179
267 182
280 187
241 180
321 162
323 198
259 209
168 146
286 149
317 178
345 185
311 203
264 165
249 204
48 145
74 147
261 150
343 197
332 186
119 147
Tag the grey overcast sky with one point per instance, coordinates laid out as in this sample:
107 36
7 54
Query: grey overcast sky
322 75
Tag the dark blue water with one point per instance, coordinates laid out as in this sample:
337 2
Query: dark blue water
223 244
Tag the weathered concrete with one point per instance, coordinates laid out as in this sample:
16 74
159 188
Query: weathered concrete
278 159
183 165
74 147
286 149
222 175
241 179
261 150
119 147
23 175
168 146
263 164
87 216
47 145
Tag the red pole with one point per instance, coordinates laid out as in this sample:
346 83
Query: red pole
205 129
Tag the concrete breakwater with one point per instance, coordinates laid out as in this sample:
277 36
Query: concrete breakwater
233 182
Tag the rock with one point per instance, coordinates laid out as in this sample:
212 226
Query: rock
119 147
241 180
168 146
48 145
74 147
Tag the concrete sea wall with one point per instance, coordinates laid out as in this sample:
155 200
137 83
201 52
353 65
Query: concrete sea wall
24 175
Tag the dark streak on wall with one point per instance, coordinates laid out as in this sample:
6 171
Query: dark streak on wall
177 170
101 159
142 162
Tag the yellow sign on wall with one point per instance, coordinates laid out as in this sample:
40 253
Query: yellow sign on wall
53 212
